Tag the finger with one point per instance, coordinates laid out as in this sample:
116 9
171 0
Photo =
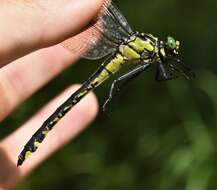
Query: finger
69 127
25 76
29 25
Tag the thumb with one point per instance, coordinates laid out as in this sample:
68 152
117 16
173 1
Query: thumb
26 26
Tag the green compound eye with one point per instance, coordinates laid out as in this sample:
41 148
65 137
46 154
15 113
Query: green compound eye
171 42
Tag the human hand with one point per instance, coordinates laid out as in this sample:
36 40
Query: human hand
26 26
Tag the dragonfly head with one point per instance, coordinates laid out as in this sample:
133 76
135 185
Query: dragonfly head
169 48
169 53
172 45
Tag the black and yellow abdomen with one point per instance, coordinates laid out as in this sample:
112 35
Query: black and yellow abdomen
110 68
103 73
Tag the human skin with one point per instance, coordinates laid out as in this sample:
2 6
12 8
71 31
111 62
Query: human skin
29 58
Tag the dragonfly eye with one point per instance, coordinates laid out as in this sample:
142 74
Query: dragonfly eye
171 43
172 46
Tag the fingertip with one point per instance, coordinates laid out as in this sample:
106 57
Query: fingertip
47 23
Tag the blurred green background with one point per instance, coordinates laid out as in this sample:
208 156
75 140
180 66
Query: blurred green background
156 135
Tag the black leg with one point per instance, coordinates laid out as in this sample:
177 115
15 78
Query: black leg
122 80
162 74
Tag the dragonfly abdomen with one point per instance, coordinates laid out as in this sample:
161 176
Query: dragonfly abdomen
104 72
47 126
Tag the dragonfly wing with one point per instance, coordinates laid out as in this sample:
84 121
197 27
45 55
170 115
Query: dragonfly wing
103 36
174 70
182 69
90 44
113 24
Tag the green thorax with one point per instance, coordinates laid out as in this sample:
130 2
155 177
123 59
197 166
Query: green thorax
135 47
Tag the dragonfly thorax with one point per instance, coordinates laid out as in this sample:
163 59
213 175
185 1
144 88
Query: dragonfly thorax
137 48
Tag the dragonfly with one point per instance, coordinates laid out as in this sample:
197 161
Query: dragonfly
111 37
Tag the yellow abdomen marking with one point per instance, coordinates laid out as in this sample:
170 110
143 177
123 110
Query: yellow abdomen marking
102 76
115 64
81 94
112 67
45 132
27 154
37 144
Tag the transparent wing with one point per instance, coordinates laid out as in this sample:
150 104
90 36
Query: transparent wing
174 70
104 35
90 44
113 24
181 68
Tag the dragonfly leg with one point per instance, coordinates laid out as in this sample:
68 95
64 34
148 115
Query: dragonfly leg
122 80
162 74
